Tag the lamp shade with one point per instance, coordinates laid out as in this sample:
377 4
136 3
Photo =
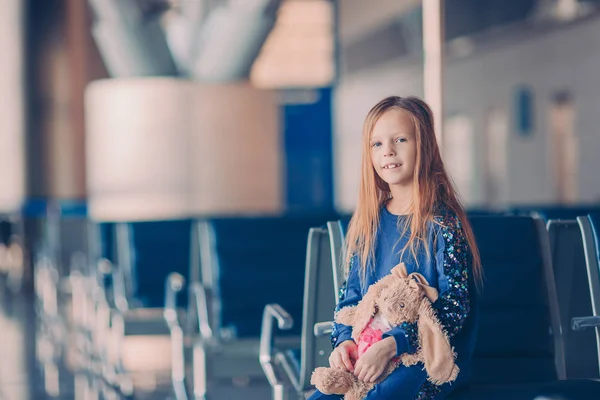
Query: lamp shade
136 144
163 148
236 163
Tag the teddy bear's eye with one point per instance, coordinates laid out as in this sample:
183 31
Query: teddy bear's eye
401 305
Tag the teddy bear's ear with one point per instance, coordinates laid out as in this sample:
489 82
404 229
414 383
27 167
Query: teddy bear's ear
419 278
400 271
438 355
375 289
419 281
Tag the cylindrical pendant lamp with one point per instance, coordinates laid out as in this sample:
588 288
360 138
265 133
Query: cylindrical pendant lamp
237 154
163 148
136 144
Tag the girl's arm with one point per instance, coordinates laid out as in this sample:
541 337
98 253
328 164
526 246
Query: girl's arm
350 295
452 262
451 255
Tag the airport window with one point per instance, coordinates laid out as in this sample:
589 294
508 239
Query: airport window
524 111
458 154
299 51
496 157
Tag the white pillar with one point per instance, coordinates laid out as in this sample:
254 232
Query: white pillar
12 99
433 45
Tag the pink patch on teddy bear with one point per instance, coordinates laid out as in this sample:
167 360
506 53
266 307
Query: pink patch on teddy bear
368 337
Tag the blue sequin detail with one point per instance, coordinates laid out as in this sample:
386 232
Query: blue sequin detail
412 335
454 303
334 335
428 391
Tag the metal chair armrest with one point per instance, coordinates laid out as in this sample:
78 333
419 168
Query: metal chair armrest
201 298
581 323
323 328
173 285
267 338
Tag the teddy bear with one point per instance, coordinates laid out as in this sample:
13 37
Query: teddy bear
398 297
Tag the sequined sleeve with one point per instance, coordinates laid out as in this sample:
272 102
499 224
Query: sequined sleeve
452 264
350 294
406 336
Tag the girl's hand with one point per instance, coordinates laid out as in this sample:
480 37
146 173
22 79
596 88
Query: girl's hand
343 356
371 365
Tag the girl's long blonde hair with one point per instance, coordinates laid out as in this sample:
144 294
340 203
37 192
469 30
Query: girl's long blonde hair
431 187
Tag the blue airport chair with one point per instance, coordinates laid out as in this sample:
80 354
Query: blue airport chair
590 230
244 265
519 350
319 300
148 264
574 297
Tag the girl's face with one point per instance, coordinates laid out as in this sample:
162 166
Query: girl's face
394 148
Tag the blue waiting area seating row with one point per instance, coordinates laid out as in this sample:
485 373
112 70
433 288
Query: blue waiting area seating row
545 212
144 246
260 293
236 266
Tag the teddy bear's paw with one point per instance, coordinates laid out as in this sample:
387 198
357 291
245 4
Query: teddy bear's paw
331 381
359 390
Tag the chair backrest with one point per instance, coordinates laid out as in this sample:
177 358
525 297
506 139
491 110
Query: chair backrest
73 238
103 240
250 262
484 212
574 298
319 302
6 231
145 254
549 212
595 225
519 334
590 231
337 241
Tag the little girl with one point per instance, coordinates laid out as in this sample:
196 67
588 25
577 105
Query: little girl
407 211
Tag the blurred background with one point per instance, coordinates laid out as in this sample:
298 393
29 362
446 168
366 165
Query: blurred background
158 158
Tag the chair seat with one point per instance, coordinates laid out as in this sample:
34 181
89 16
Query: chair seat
147 321
575 389
239 357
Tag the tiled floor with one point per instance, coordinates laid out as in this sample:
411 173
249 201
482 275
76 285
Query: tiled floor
19 378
